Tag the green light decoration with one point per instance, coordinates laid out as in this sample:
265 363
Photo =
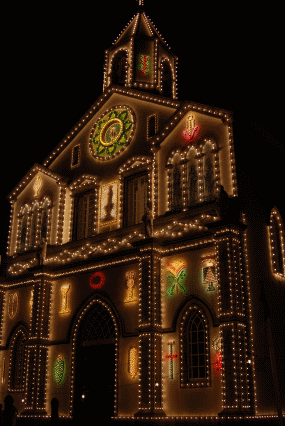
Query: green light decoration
112 133
59 370
176 276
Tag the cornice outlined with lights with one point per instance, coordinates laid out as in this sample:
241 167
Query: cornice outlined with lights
30 175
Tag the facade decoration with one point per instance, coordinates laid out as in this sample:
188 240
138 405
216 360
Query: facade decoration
112 133
108 204
97 280
59 369
13 305
124 292
171 356
131 297
209 272
176 277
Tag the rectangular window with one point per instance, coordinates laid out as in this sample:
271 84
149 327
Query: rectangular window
151 126
84 216
136 191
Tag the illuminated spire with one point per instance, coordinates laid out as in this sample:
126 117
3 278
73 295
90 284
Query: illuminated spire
141 2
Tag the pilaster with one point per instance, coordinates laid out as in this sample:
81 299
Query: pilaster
150 338
238 395
37 350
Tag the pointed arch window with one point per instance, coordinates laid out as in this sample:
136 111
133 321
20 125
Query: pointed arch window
45 220
277 247
192 178
209 172
34 224
23 228
176 184
17 373
195 370
166 79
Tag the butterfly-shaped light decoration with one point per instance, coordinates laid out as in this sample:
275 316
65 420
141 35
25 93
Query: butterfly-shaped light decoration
176 277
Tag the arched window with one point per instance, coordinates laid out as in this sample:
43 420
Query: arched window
209 172
119 69
17 373
176 183
23 229
195 350
277 243
192 178
34 224
166 79
45 220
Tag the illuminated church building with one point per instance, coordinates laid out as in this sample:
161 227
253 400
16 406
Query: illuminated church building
131 287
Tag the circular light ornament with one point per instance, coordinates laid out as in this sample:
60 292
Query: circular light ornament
112 133
97 280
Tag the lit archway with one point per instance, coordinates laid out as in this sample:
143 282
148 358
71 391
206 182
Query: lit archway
94 363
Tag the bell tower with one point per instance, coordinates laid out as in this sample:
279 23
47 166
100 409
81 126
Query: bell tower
141 59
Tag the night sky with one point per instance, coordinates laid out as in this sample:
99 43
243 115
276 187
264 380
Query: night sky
229 56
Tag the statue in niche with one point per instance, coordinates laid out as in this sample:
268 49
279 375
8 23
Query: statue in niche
148 222
42 252
222 203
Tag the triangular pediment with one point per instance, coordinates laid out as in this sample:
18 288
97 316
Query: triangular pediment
37 169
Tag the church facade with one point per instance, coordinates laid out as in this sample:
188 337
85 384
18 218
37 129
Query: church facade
129 290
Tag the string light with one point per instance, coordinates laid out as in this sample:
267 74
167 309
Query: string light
192 236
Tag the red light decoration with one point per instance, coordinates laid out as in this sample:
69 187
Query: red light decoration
191 132
171 356
97 280
218 364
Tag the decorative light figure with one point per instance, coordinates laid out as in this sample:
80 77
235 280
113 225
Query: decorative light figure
37 186
94 282
65 309
176 276
191 131
59 370
171 356
130 284
209 272
13 305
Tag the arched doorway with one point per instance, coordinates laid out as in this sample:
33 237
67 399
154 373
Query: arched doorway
95 369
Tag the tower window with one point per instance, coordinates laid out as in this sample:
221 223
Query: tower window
84 216
136 193
119 69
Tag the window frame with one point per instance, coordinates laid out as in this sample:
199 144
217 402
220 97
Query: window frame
127 180
79 197
186 364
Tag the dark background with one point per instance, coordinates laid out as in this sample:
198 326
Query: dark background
229 55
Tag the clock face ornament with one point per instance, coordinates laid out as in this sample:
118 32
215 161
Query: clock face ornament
112 133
